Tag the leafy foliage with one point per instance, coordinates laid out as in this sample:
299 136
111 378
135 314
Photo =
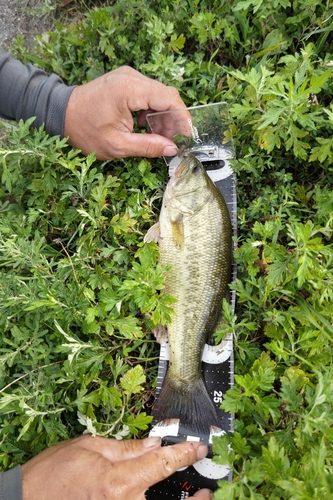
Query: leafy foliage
76 286
79 292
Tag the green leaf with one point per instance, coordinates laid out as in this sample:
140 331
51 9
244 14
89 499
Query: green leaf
275 460
292 388
322 152
131 381
234 401
318 81
127 327
139 422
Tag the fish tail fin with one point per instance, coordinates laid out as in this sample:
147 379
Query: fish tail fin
190 404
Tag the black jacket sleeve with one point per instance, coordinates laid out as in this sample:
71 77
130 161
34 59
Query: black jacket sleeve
11 484
26 91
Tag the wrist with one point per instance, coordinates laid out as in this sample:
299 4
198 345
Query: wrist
11 484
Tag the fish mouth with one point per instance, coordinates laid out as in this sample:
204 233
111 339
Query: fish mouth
180 170
187 163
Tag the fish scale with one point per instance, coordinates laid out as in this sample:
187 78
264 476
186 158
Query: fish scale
192 314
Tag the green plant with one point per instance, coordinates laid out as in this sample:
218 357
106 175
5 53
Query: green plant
77 284
79 292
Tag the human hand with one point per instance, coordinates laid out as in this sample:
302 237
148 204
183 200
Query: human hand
94 468
99 115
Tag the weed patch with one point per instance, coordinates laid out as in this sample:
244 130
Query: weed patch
79 291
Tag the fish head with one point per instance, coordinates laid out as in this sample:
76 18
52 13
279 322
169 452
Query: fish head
190 187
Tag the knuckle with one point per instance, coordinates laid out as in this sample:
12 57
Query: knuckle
174 94
84 438
172 459
109 149
152 149
127 69
129 446
111 152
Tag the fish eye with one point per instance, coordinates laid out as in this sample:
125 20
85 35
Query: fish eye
195 169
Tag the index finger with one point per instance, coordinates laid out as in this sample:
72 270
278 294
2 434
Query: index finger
143 93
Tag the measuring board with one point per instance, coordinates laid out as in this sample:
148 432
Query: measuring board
203 131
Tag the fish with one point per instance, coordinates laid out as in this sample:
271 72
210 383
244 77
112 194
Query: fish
194 234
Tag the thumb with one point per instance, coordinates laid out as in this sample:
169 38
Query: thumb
149 146
163 462
115 450
203 494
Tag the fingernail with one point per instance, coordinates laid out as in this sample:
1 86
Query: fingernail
170 151
150 442
202 452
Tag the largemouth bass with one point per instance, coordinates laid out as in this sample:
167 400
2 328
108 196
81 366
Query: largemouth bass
194 235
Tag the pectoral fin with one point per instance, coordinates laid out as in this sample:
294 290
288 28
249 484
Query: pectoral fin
153 233
161 334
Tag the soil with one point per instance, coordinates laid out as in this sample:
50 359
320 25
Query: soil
24 17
